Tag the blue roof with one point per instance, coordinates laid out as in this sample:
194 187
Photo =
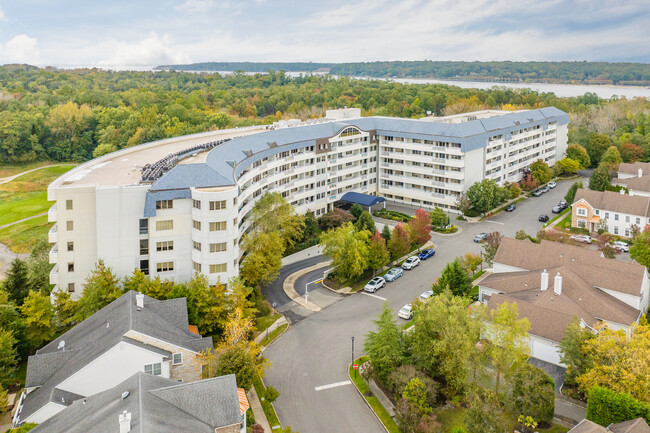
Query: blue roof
190 176
362 199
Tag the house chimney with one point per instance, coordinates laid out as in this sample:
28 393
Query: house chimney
125 422
557 289
622 191
544 285
139 300
640 172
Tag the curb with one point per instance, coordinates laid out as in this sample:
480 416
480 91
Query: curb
288 286
263 348
366 401
456 233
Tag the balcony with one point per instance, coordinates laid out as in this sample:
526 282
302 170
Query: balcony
54 275
54 254
51 235
51 214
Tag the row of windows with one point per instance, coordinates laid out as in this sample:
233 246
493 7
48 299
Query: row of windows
214 268
214 248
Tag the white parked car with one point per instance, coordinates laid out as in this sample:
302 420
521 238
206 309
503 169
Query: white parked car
424 297
552 185
406 312
621 246
411 262
582 238
374 284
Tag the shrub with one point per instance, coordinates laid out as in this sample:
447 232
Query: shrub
472 212
605 407
398 379
263 309
271 394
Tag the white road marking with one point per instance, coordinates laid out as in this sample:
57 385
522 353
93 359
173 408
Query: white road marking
374 296
496 222
332 385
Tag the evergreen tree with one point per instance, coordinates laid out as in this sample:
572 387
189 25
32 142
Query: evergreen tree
385 347
356 210
599 180
15 283
453 278
385 233
7 358
571 193
365 222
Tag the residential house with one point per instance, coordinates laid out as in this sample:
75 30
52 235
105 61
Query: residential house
616 213
635 177
153 404
134 333
637 425
552 283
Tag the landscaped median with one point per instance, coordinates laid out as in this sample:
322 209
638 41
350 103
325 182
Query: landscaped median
557 217
372 401
267 406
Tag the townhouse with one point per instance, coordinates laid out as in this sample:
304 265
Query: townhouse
552 283
615 212
134 333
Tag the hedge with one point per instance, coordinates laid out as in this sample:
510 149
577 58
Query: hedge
606 407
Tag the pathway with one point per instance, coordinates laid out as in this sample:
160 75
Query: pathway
23 220
6 257
258 411
10 178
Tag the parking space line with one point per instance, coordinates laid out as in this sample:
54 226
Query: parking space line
496 222
332 385
374 296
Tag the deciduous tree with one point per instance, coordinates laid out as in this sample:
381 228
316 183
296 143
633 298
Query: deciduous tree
611 158
100 289
439 218
572 350
273 214
335 218
348 250
491 246
630 152
486 195
8 357
420 227
471 262
541 171
400 242
264 259
38 315
578 153
640 249
531 393
378 254
486 415
566 167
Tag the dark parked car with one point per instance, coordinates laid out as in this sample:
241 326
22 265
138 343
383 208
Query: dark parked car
563 205
425 254
480 237
543 218
510 208
557 209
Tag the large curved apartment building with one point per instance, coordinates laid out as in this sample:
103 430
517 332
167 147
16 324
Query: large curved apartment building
179 206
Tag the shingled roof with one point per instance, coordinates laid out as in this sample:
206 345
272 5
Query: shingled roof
67 354
615 202
624 277
156 405
635 183
633 168
637 425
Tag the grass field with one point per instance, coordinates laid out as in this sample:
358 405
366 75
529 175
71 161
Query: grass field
24 197
11 170
20 238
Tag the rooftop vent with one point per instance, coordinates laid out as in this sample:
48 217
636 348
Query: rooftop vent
61 345
125 394
544 282
125 422
557 288
139 300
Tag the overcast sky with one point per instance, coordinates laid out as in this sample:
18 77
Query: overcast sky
152 32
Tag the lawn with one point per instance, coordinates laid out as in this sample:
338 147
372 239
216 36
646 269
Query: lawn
20 238
26 195
264 322
273 335
11 170
560 215
374 403
269 410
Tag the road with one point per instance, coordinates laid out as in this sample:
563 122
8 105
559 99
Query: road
316 349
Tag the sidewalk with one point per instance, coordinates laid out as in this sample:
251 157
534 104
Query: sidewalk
258 412
385 401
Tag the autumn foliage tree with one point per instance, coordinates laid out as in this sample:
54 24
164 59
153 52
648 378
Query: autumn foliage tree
420 227
378 254
400 242
630 152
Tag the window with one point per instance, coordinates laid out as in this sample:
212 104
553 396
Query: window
582 211
70 287
221 267
196 245
217 226
144 266
165 266
144 247
196 204
349 131
196 224
164 204
68 204
144 226
627 232
217 248
615 230
197 267
177 358
218 205
154 369
70 267
165 246
70 246
69 225
615 217
627 218
582 224
638 220
597 212
164 225
606 215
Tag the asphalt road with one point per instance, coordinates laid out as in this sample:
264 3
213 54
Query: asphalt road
316 350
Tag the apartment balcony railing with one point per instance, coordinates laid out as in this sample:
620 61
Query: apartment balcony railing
51 235
51 214
54 275
54 254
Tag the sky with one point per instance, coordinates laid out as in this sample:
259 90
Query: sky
154 32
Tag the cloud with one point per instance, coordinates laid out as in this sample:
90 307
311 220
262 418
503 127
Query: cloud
2 15
196 6
20 49
152 50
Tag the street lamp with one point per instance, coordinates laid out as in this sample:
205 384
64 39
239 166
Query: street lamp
353 350
307 288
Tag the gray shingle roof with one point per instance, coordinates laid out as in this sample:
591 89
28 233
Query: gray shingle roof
164 320
156 405
615 202
633 167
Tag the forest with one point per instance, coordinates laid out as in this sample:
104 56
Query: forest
75 115
549 72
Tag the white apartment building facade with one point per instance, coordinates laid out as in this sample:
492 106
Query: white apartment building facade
173 216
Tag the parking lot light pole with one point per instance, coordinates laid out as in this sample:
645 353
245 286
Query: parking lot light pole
307 288
355 371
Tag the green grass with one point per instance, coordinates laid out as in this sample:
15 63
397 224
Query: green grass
478 274
12 170
556 217
450 418
269 411
22 237
273 335
264 322
555 428
362 386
